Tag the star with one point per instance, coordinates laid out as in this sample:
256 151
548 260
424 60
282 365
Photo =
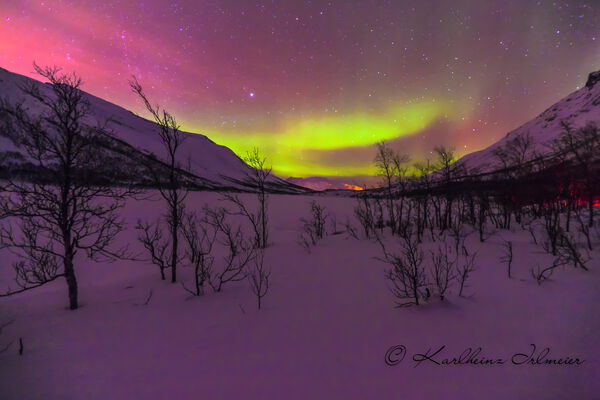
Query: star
326 74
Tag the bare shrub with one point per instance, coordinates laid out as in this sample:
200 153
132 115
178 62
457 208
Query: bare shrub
569 253
459 232
316 223
465 269
253 217
543 274
350 230
365 215
200 237
407 277
531 229
552 229
313 228
239 250
259 277
443 269
157 246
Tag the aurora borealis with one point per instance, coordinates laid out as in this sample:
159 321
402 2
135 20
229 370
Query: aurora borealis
314 84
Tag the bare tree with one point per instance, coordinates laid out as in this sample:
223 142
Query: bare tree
552 227
390 167
259 277
152 238
313 229
423 170
580 148
365 215
529 225
200 237
514 156
465 269
407 275
448 172
459 233
258 177
253 217
483 211
66 208
172 189
567 253
445 163
443 269
319 217
239 250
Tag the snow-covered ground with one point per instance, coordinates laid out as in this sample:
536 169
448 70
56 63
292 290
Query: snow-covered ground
323 332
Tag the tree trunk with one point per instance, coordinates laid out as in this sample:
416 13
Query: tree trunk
175 218
263 220
71 282
174 253
197 278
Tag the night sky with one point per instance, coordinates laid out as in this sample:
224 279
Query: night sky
314 84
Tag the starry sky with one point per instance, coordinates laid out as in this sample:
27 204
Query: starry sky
315 84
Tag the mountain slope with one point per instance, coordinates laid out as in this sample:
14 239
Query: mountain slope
577 109
216 166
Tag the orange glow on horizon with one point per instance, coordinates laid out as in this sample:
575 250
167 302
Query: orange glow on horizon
353 187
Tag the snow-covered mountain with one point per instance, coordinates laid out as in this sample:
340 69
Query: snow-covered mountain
577 109
216 166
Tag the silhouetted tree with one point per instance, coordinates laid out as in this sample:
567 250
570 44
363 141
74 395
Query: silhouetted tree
581 148
239 250
448 172
200 238
390 167
407 276
66 209
258 177
171 188
443 269
259 277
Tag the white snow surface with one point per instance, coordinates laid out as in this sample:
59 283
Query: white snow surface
322 333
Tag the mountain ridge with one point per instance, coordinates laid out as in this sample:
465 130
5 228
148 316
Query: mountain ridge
215 165
576 109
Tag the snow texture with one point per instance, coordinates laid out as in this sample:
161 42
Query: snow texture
322 333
